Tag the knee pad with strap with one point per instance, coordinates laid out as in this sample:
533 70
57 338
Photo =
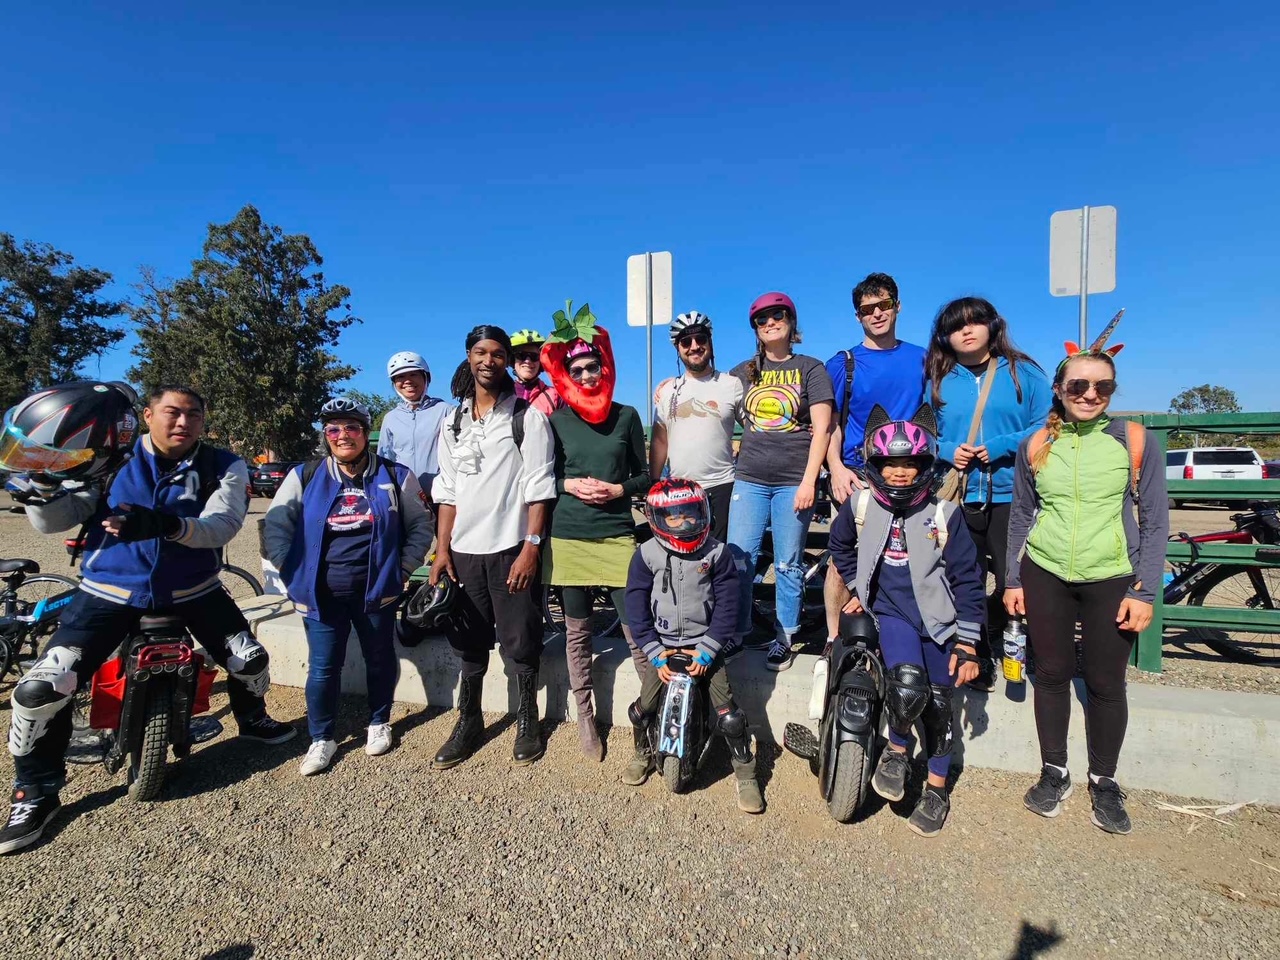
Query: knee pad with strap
732 724
39 696
248 662
938 721
906 697
637 716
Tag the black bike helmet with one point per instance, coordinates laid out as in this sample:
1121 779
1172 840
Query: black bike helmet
431 607
71 431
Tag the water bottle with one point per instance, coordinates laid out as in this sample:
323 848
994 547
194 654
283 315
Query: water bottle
1015 650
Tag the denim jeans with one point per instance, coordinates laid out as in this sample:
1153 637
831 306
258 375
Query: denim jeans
755 508
327 643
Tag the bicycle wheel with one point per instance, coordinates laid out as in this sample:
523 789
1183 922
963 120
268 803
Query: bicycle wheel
45 586
1254 588
241 584
604 619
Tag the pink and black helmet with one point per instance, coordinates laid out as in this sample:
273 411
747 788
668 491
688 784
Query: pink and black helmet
887 439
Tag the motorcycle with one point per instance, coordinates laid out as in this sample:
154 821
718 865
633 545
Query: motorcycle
147 696
680 732
841 752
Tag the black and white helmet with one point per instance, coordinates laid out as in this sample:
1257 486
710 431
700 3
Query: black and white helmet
344 408
688 321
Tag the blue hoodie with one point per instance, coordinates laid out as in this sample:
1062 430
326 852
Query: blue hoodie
1005 422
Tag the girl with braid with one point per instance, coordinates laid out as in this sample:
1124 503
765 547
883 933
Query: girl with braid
1077 553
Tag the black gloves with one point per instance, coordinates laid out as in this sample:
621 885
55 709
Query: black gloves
143 523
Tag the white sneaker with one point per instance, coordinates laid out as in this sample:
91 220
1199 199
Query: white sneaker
379 739
319 756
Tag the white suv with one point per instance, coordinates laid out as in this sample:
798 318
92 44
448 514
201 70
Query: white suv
1213 463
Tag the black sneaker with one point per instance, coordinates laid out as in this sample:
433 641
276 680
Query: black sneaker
1108 806
30 809
931 812
779 656
265 730
1046 797
890 778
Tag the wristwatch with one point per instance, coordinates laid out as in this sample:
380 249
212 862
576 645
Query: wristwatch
534 539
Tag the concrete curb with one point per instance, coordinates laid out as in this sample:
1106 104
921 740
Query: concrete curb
1201 743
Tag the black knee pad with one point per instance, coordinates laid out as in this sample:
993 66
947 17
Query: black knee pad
906 697
732 723
637 716
937 721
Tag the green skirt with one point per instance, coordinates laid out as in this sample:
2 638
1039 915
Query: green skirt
587 563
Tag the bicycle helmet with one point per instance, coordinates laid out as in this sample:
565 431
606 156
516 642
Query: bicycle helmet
689 321
768 301
531 338
344 408
679 514
887 439
406 361
71 431
431 607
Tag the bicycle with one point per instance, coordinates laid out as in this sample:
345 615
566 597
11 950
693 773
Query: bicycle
1230 585
30 605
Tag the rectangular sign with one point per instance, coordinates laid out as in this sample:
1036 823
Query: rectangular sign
638 290
1065 243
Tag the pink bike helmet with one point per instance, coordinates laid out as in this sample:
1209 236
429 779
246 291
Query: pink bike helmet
887 439
767 301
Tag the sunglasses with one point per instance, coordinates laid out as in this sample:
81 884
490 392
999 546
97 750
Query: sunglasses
760 319
528 357
335 430
1078 388
694 340
586 370
867 309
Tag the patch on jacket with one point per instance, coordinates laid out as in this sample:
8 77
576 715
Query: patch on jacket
931 526
704 567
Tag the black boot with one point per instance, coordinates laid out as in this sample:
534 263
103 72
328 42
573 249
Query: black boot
528 737
469 729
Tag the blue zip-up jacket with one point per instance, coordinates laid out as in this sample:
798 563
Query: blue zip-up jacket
892 378
293 532
409 434
155 573
1005 424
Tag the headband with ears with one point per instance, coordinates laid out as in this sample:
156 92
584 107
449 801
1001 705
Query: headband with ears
1098 347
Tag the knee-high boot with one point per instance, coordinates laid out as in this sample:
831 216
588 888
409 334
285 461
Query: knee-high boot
637 655
577 651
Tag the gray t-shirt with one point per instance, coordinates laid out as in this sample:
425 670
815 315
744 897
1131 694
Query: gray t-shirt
699 415
777 430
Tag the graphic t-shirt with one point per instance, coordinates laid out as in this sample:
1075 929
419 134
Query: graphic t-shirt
348 533
777 429
893 595
699 414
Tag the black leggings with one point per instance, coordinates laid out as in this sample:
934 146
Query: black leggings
989 526
577 602
1053 607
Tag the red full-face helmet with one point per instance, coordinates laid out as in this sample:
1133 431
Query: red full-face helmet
679 514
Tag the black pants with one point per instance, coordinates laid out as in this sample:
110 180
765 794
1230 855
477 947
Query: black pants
1053 607
96 627
651 687
578 604
491 612
989 526
720 496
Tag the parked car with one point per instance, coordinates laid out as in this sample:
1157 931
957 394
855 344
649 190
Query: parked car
1271 470
265 479
1213 463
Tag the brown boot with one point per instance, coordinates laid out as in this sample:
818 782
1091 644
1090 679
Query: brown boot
637 655
577 651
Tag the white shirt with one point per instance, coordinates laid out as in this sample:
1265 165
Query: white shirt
489 481
699 414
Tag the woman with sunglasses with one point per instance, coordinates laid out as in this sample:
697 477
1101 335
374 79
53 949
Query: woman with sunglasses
1076 553
600 466
346 532
970 346
787 408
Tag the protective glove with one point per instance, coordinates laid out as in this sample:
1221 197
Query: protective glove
36 488
704 657
143 523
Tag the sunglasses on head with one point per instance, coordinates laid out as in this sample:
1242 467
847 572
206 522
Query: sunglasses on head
585 370
335 430
760 319
1078 388
694 340
867 309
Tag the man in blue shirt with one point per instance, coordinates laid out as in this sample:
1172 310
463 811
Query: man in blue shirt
411 429
880 370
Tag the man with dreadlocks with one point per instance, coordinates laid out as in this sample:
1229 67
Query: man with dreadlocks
495 483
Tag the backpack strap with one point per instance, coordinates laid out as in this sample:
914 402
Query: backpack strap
940 524
848 389
206 465
860 511
1038 440
456 427
309 470
517 421
1136 441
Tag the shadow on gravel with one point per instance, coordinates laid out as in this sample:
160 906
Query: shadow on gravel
228 761
237 951
86 804
1033 941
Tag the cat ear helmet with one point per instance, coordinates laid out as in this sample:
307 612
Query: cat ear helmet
888 439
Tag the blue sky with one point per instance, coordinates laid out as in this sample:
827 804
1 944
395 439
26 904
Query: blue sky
485 162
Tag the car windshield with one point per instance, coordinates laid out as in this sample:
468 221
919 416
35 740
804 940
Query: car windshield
1224 458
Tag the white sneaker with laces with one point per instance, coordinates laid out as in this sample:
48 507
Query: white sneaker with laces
379 739
319 756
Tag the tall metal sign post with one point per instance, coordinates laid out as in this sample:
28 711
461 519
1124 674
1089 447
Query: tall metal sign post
649 300
1082 256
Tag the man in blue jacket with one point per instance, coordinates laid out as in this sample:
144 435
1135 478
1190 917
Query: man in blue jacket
410 430
154 543
880 370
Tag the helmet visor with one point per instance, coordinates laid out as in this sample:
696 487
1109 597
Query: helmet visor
21 455
679 520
